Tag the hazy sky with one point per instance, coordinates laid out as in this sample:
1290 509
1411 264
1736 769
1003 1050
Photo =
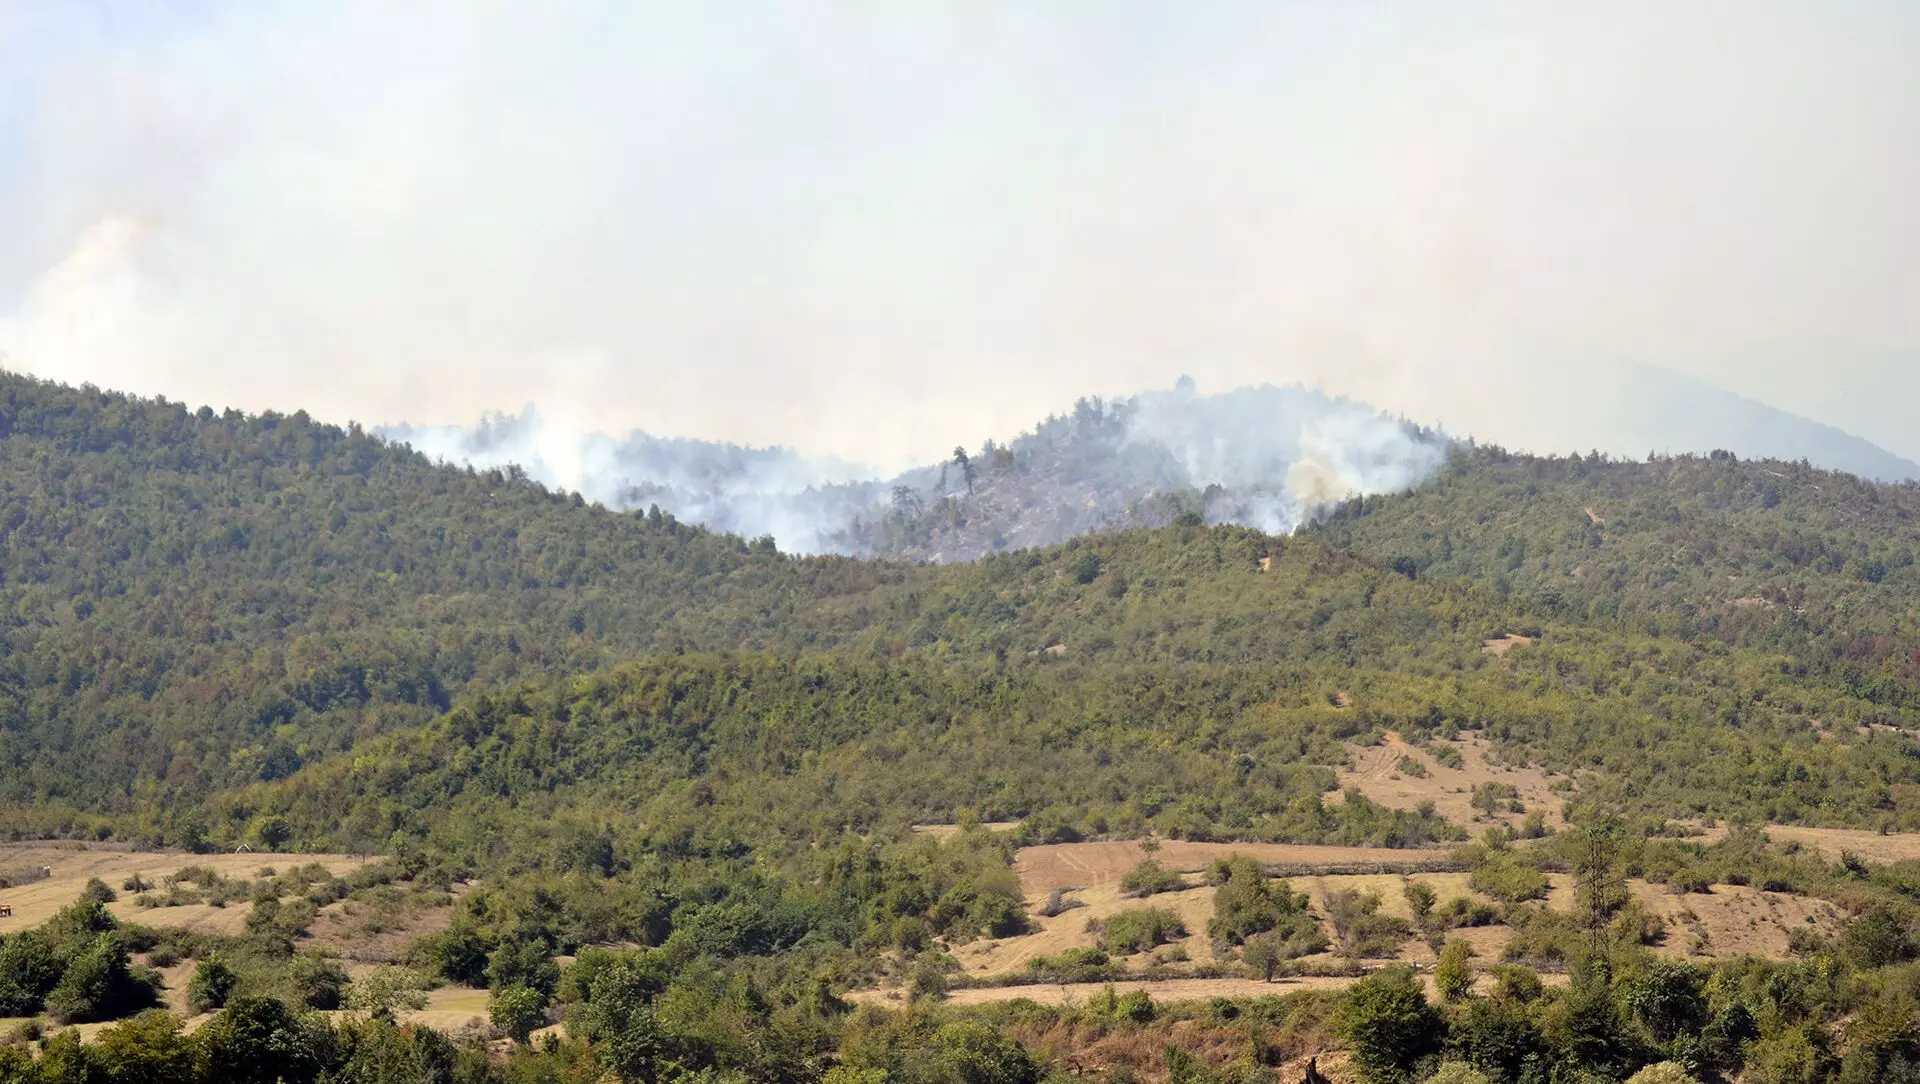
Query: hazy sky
883 228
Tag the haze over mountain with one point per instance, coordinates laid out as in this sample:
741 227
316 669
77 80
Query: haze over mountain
1264 457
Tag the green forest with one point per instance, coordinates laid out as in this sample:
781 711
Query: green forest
666 781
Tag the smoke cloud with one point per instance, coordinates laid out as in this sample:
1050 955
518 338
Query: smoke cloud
1263 457
879 230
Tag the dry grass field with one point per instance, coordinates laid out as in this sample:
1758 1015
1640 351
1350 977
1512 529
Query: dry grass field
73 865
1092 865
1376 772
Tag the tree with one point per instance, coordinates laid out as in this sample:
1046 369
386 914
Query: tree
1453 975
965 464
518 1011
29 968
149 1049
618 1021
1263 955
257 1040
98 984
1668 1000
1388 1025
523 963
212 984
973 1053
317 982
386 990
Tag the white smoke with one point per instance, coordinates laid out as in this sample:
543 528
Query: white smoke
751 492
1278 455
1268 458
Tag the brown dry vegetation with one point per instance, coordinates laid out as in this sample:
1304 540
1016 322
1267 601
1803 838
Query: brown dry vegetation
1374 772
1500 645
73 866
1092 865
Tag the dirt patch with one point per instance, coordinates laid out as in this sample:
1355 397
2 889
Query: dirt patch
1500 645
1731 920
1377 773
72 866
375 933
1161 990
1094 865
1068 929
1872 846
944 831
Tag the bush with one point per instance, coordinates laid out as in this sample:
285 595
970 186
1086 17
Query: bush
98 889
317 982
98 984
1150 878
518 1011
1388 1026
1453 975
1247 904
212 984
1666 1072
1073 965
1509 879
1141 929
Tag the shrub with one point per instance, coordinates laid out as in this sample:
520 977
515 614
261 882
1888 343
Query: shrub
1150 878
1453 975
1665 1072
316 981
1073 965
1507 878
517 1011
1247 904
1141 929
98 984
212 984
1388 1025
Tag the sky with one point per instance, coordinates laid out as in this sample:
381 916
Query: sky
881 229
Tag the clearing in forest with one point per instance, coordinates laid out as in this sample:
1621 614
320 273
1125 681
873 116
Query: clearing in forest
1092 865
1378 772
35 901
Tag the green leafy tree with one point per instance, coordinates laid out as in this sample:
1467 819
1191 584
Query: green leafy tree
98 984
385 991
258 1040
29 970
518 1011
1388 1026
618 1020
523 963
1453 974
212 984
151 1048
317 982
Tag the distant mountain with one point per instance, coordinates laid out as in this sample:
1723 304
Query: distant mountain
1630 409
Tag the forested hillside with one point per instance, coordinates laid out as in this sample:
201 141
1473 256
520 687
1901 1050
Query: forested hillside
1772 556
228 631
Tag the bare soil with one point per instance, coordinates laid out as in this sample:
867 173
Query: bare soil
1093 865
1500 645
1376 773
73 865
